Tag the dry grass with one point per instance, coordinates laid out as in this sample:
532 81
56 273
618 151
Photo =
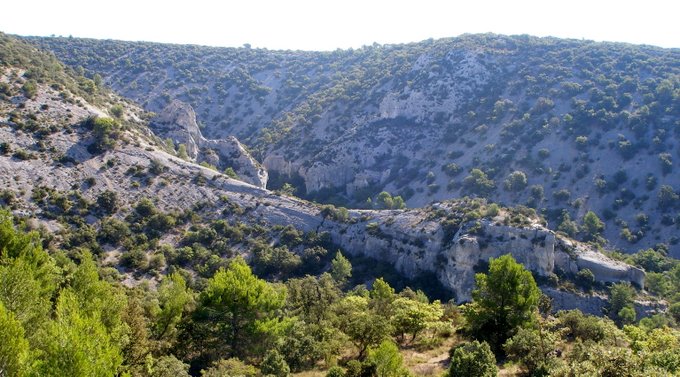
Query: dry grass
431 362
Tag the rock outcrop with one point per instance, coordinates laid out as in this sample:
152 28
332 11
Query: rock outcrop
178 122
415 242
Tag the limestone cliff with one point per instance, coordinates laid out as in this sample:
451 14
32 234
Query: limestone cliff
415 242
178 122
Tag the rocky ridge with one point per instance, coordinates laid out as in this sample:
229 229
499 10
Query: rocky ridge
177 121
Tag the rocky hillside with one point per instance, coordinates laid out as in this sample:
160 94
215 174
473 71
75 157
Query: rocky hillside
110 185
563 126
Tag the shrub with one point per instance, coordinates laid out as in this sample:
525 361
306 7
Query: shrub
230 367
582 326
30 89
387 359
477 182
117 111
533 349
274 364
666 163
472 359
585 279
335 371
516 181
451 169
668 198
107 201
562 195
106 132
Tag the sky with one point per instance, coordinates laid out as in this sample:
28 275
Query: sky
331 24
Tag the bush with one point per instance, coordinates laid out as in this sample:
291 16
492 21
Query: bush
472 359
533 349
478 183
516 181
274 364
335 371
135 259
582 326
451 169
562 195
585 278
30 89
113 231
169 366
230 367
107 201
106 132
117 110
387 359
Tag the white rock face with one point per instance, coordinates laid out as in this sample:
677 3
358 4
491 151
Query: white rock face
178 122
415 245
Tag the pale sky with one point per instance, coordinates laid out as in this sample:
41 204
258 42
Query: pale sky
332 24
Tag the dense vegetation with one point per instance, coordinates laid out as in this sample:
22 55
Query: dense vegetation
62 315
474 115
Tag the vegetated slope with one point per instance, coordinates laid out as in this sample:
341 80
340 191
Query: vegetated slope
564 126
111 186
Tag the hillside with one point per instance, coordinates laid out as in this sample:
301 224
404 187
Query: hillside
563 126
64 161
138 246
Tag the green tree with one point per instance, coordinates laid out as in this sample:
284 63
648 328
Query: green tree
19 293
14 349
274 364
505 299
361 325
384 200
667 197
592 226
107 201
173 298
97 298
382 297
477 182
341 269
387 360
182 152
77 343
567 225
626 315
586 279
237 313
138 346
412 317
516 181
335 371
311 298
106 132
621 296
473 359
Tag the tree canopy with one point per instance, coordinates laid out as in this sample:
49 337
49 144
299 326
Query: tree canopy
504 299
